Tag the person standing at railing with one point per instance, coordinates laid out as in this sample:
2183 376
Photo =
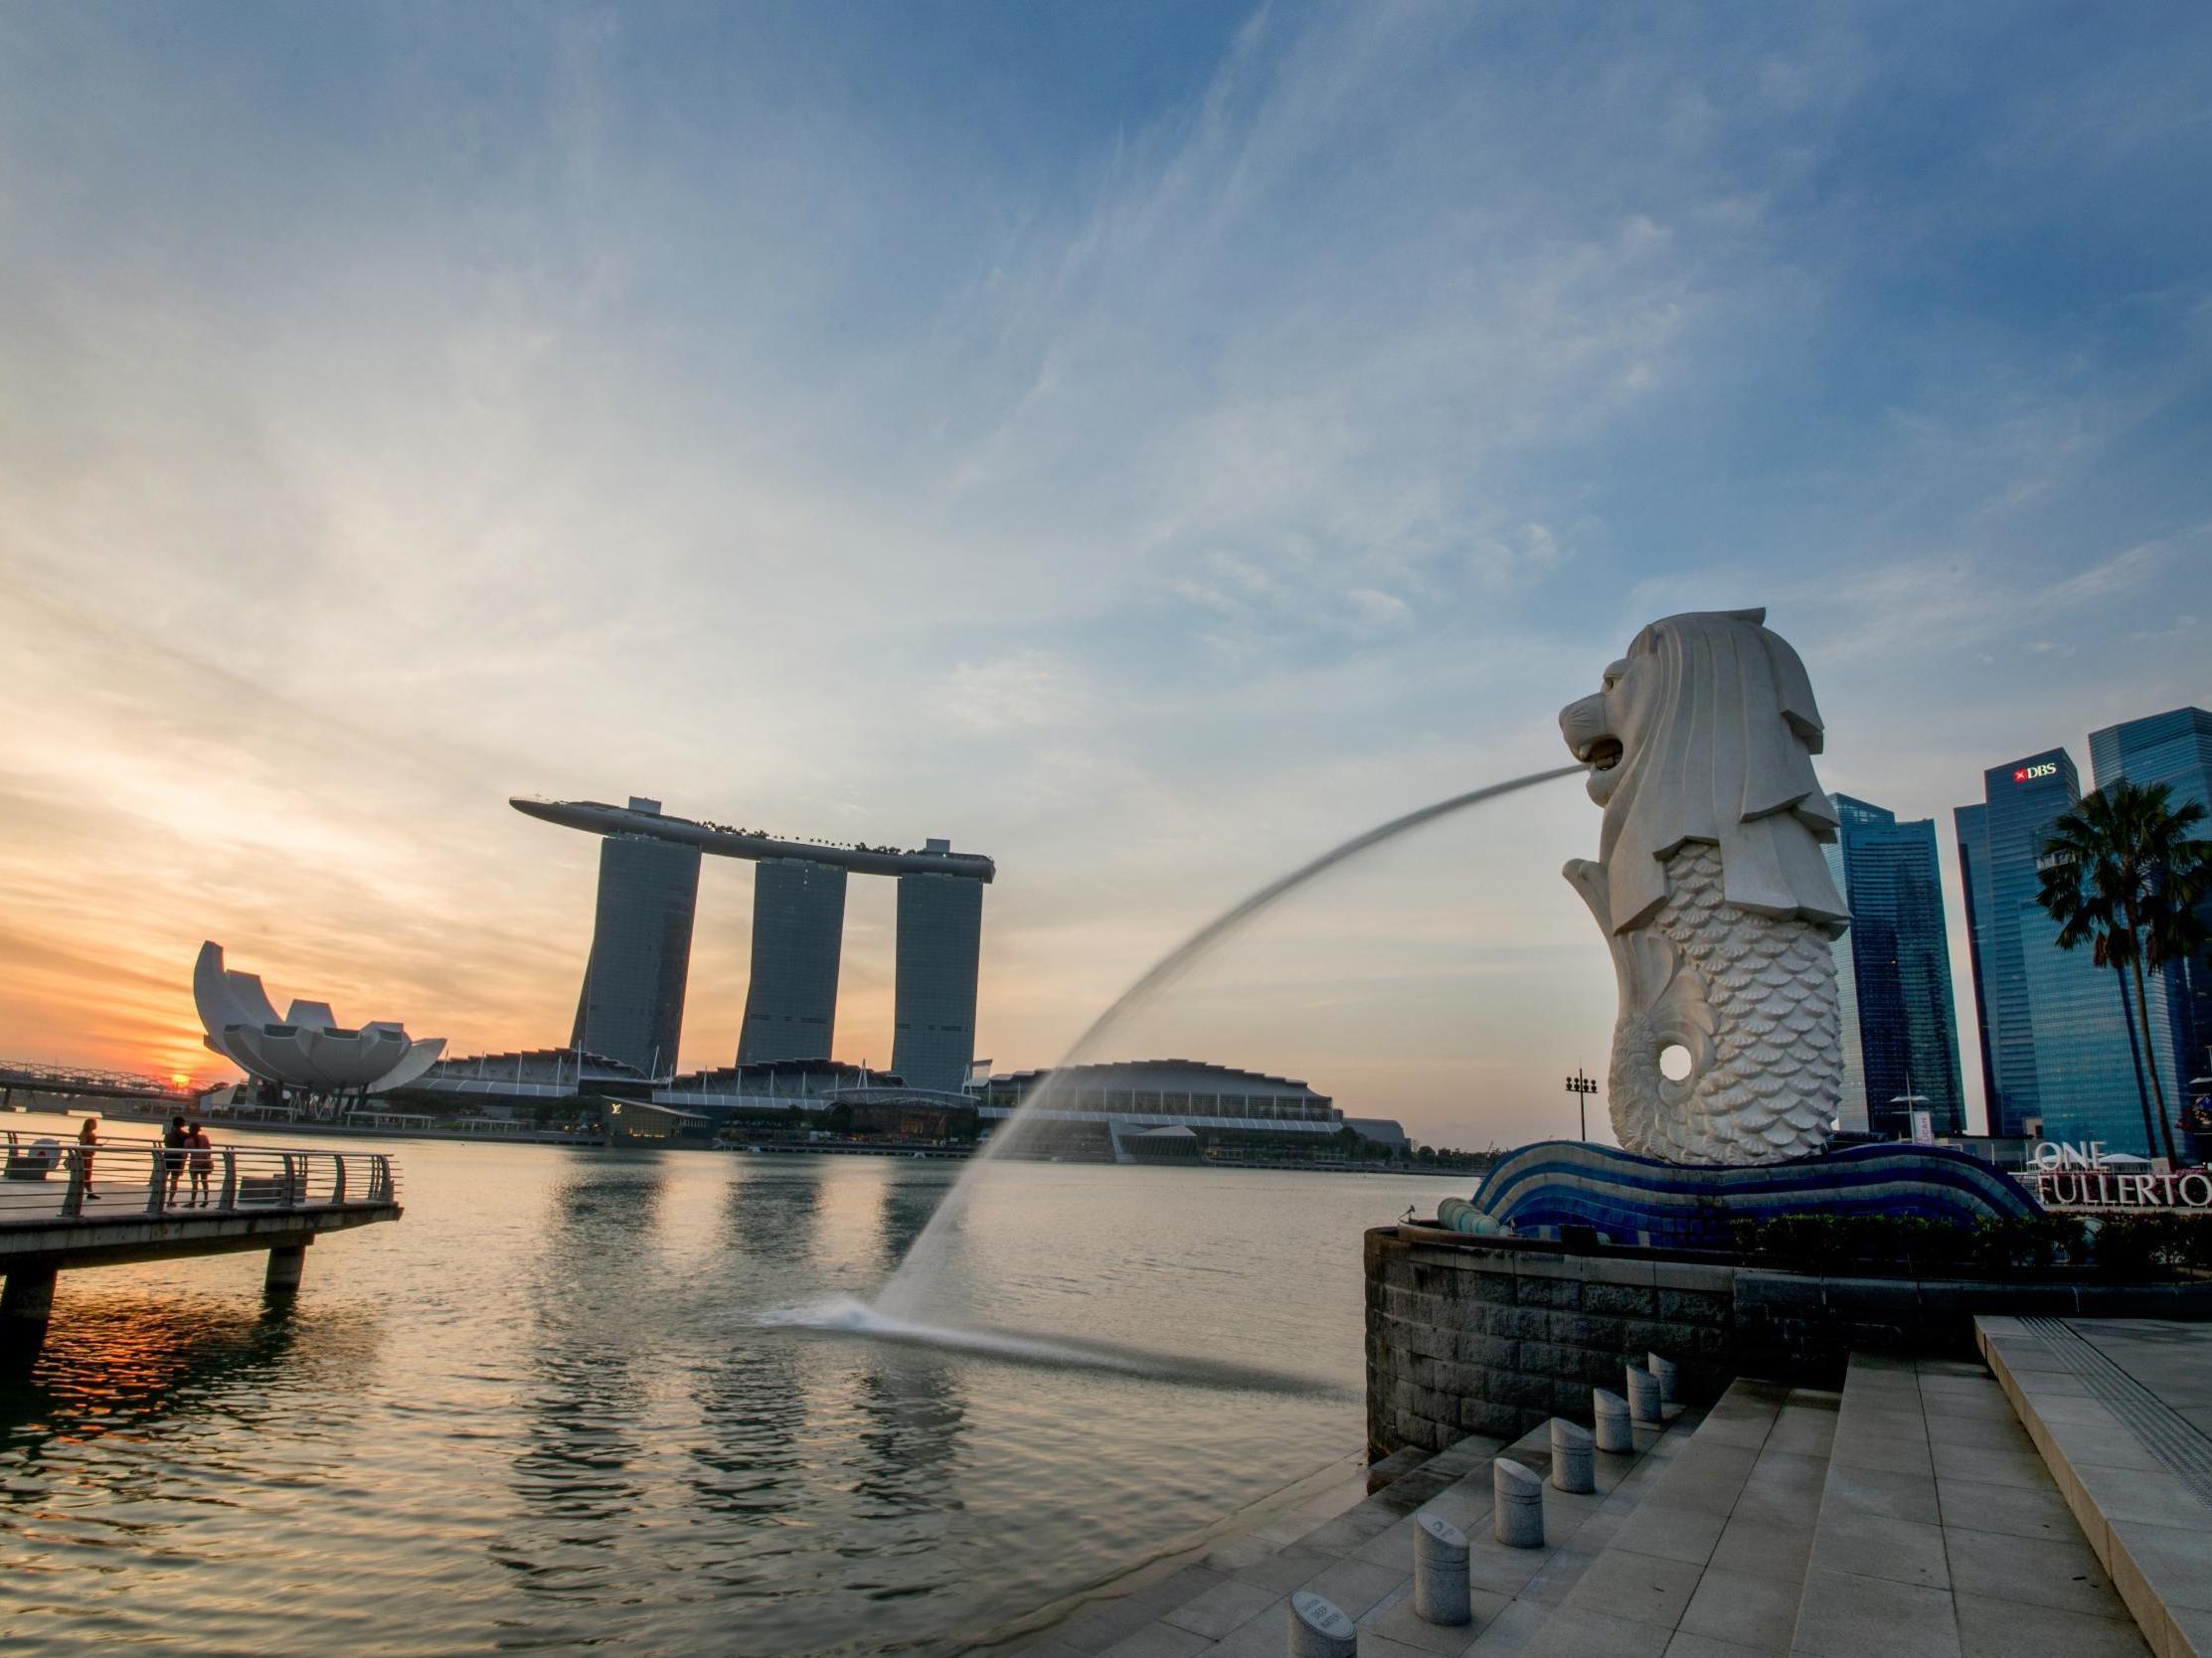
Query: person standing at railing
203 1163
87 1138
172 1156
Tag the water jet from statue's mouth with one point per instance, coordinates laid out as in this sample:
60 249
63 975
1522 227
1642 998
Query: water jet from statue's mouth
1601 754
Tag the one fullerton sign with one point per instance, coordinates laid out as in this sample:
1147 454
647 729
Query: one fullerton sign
2069 1176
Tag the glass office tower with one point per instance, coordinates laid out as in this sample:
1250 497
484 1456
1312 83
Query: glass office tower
2174 748
1899 1014
2057 1055
1997 846
940 936
632 1006
798 931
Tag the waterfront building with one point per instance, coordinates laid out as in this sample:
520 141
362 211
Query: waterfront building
798 917
2174 748
798 925
1102 1105
940 934
631 1006
1900 1027
2058 1059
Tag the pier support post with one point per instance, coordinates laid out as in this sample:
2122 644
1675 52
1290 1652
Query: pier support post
1668 1375
26 1306
286 1262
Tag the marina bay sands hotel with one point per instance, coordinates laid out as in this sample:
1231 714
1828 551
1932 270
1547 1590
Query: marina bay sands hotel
633 1004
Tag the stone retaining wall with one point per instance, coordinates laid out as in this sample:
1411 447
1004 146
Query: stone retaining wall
1492 1336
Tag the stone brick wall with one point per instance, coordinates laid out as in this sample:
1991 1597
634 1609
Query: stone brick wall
1494 1338
1470 1335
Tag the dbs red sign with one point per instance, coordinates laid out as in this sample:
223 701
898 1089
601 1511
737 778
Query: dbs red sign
2028 773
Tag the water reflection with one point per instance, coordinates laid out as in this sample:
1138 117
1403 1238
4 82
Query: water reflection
576 1468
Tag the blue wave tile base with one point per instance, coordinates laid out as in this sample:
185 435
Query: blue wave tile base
1635 1200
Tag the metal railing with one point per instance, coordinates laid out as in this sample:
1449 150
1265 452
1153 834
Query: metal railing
47 1178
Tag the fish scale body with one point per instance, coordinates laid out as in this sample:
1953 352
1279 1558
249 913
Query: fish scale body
1773 1084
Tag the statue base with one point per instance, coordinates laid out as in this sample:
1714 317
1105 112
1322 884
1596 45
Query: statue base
1631 1199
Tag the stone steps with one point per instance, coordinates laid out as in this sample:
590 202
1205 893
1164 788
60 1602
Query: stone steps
1711 1561
1235 1599
1940 1535
2127 1448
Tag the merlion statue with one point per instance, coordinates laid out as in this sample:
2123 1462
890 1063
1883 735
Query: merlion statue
1712 891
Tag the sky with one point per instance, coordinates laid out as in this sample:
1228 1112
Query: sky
1146 443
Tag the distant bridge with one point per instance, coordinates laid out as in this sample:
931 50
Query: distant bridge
80 1083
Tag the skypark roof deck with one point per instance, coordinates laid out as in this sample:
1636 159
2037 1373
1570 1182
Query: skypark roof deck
599 818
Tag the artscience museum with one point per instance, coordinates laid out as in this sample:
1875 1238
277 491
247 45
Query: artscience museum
307 1050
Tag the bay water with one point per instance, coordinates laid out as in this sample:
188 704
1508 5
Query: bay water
542 1412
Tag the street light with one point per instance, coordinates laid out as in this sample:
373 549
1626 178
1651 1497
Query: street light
1582 1088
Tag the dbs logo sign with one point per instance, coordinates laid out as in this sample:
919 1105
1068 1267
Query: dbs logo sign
2028 773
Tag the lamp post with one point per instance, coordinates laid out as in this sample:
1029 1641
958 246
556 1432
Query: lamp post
1582 1088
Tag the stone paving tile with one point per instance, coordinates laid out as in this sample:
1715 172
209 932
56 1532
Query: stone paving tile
1875 1546
1355 1586
1978 1432
1643 1588
1266 1634
1880 1453
2001 1629
1217 1610
1098 1628
1992 1467
1286 1569
2016 1511
1798 1429
1687 1645
1751 1612
1847 1616
1574 1632
1391 1548
1658 1529
1393 1619
2173 1557
1157 1640
1901 1496
1507 1636
1856 1421
1762 1547
2030 1572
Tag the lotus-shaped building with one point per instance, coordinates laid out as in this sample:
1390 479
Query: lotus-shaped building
308 1049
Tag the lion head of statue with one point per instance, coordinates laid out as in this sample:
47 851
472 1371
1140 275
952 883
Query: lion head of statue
1705 731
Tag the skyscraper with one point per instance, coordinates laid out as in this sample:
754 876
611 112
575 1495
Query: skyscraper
1997 846
940 934
632 1006
1899 1021
2174 748
798 926
2057 1055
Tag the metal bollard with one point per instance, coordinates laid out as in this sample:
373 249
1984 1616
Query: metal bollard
1519 1505
1667 1374
1318 1629
1610 1414
1572 1468
1441 1592
1643 1394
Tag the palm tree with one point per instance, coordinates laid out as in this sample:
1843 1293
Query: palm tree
2121 873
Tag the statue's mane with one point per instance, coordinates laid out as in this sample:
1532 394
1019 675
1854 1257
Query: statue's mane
1727 731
